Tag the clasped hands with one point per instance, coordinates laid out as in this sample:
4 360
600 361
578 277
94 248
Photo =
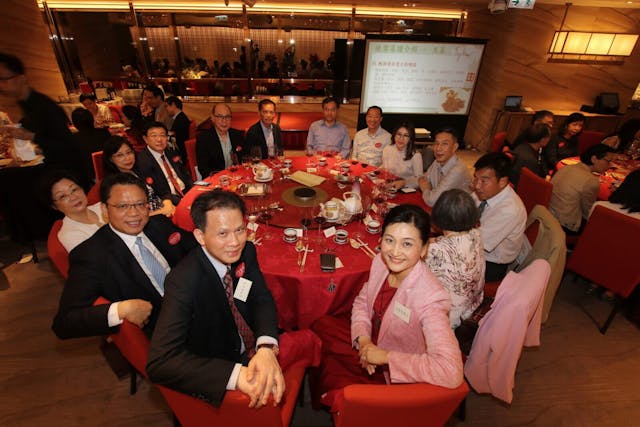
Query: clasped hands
371 355
263 377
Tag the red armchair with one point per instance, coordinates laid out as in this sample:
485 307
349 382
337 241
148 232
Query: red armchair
57 253
606 254
498 142
589 138
98 167
190 147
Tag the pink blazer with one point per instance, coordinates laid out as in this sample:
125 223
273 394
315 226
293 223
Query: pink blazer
424 349
513 321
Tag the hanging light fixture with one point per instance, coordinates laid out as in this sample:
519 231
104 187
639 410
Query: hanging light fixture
590 47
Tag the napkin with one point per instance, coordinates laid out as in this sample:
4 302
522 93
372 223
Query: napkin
307 179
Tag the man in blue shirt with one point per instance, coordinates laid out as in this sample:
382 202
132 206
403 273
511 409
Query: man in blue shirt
329 134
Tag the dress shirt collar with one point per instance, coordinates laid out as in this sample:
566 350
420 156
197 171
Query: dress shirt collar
155 154
265 129
128 239
449 164
177 114
324 123
493 201
377 133
220 267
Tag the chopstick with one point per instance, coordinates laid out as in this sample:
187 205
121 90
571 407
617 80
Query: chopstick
304 258
367 248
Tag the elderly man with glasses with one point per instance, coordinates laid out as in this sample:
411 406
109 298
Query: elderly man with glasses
221 146
125 261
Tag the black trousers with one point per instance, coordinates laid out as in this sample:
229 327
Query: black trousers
495 272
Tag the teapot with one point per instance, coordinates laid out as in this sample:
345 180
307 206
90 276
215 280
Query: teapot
352 202
331 210
262 172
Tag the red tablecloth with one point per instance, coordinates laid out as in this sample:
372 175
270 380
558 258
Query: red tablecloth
303 297
621 166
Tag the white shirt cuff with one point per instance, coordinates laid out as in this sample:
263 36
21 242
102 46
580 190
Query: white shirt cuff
112 315
233 379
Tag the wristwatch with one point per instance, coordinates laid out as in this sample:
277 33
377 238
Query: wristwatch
273 347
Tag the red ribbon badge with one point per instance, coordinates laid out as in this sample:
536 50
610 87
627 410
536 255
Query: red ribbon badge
561 144
378 144
240 270
239 148
176 159
174 238
149 180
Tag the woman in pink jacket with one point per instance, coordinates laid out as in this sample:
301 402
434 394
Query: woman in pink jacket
400 331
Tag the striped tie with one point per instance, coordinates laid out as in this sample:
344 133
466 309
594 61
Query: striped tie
157 270
243 328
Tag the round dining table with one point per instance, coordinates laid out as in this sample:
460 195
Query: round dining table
305 293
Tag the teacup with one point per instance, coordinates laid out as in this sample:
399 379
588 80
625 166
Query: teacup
331 210
373 226
290 235
262 172
288 163
341 236
225 180
322 161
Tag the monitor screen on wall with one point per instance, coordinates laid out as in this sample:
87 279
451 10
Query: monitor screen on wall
408 76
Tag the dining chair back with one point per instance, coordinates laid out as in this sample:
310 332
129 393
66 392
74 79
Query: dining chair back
382 405
116 113
550 244
512 322
606 254
98 167
498 142
93 196
589 138
193 128
190 147
533 190
234 410
57 253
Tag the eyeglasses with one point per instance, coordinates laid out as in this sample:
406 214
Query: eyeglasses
403 135
121 155
157 135
67 196
221 117
124 207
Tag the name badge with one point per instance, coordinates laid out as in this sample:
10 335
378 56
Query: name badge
242 289
402 312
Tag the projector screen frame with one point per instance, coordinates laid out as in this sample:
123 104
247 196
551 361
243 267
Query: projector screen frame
430 121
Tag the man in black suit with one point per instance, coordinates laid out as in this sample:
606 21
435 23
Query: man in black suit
201 345
114 263
160 167
265 134
181 123
219 147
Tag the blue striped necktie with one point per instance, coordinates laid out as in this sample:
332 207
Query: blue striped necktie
157 270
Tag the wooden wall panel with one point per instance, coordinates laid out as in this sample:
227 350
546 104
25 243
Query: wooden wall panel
24 34
515 62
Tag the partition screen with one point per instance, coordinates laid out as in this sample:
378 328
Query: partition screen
420 76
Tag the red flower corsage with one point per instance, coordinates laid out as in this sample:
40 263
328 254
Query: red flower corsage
240 270
561 144
149 180
378 145
239 148
174 238
176 159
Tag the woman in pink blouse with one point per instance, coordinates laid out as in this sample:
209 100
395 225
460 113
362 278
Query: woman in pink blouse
400 329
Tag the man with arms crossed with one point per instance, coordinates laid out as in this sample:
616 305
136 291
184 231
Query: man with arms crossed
368 143
448 171
218 314
125 261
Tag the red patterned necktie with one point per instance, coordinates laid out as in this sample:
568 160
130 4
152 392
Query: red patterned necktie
243 328
172 178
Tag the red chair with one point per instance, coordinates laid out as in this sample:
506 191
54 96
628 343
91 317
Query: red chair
606 254
190 147
192 412
193 127
398 404
116 113
589 138
498 142
98 167
93 196
57 253
533 190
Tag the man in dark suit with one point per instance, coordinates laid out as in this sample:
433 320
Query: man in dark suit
219 147
181 123
202 341
115 263
265 134
160 167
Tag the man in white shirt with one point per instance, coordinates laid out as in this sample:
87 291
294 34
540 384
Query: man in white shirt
125 262
448 171
502 214
329 134
368 143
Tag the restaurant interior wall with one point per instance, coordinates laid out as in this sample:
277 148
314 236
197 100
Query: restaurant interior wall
23 33
515 62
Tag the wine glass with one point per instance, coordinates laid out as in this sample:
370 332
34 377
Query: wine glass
266 214
309 152
256 154
319 219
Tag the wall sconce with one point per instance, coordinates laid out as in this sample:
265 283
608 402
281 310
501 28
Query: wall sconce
590 47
